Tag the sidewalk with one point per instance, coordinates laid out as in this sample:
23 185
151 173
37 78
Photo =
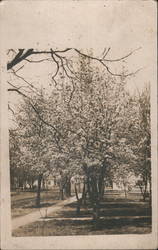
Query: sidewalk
42 212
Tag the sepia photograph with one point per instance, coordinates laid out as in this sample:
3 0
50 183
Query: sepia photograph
79 124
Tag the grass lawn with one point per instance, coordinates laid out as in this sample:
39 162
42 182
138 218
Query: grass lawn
118 216
23 202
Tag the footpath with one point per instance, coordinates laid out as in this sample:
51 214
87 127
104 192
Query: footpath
41 213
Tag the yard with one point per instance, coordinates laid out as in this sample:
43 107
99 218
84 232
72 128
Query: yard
23 202
117 216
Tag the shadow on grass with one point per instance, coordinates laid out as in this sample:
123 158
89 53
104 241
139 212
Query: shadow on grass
102 224
29 202
48 204
86 227
110 209
120 224
115 204
108 212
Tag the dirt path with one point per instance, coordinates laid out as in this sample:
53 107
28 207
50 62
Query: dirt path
42 212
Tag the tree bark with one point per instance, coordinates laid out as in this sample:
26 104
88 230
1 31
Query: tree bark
125 190
79 201
68 187
101 186
61 193
84 193
145 189
96 211
38 198
95 195
150 196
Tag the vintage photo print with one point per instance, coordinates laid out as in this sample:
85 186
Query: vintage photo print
78 124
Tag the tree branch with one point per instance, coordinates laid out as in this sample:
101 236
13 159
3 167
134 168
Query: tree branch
19 57
36 111
23 56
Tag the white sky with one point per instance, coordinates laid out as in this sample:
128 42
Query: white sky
122 25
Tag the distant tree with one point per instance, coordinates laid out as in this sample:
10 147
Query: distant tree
122 177
135 128
144 145
34 144
21 171
15 159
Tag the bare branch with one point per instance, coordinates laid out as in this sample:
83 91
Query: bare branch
11 50
38 61
23 56
72 92
33 107
63 51
63 67
105 53
19 87
102 61
18 91
122 58
11 109
57 64
19 68
108 70
32 87
19 57
71 71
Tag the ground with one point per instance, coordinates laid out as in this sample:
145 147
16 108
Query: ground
117 216
23 202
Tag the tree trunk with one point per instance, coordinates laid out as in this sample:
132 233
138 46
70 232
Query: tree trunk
79 202
78 207
32 182
101 188
150 197
25 185
145 190
38 198
12 180
79 187
84 193
61 188
142 192
95 196
43 184
96 211
20 182
68 188
61 193
125 190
